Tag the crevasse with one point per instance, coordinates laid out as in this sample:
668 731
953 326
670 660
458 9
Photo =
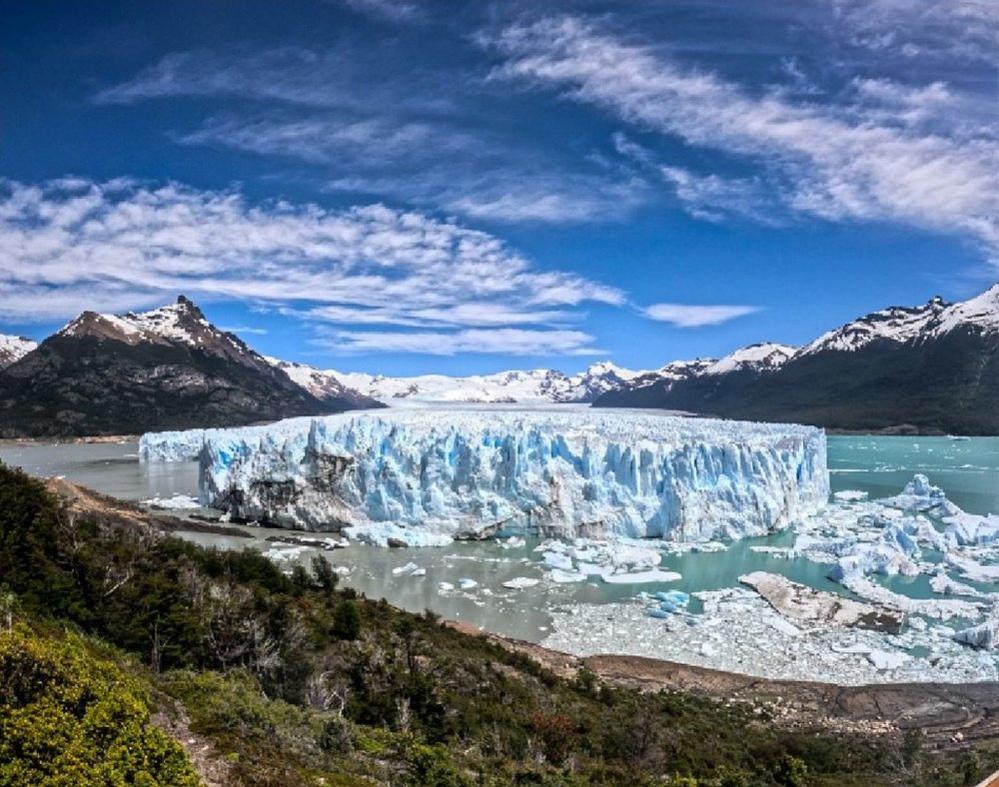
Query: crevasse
476 472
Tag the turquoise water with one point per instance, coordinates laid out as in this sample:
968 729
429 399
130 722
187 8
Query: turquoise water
967 470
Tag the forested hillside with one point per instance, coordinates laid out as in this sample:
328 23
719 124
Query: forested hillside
113 633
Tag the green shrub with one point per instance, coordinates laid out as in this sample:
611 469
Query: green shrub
346 620
70 718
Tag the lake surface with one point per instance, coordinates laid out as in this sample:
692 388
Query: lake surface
968 470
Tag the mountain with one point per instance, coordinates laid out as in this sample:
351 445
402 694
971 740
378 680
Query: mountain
323 385
929 368
168 368
536 385
13 348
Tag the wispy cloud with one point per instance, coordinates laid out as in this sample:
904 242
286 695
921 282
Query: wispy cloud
837 162
962 29
392 10
74 244
688 316
506 341
394 138
240 329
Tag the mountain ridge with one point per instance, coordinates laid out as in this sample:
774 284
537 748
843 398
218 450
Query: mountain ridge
168 368
927 368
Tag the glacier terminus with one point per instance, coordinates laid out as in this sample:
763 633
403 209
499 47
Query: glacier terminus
427 476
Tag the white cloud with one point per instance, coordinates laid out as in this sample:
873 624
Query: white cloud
835 162
687 316
74 244
243 329
714 198
505 341
963 29
393 10
411 136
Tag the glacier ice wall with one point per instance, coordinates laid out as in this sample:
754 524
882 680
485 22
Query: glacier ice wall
642 475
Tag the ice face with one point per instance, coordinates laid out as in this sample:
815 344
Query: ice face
474 473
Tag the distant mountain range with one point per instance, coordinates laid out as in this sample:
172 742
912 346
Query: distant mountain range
535 385
930 368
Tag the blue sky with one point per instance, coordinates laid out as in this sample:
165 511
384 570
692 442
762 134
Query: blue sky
404 186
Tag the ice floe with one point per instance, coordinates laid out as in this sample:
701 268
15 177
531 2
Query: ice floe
176 502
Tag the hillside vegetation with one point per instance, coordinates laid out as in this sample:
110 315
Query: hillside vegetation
295 681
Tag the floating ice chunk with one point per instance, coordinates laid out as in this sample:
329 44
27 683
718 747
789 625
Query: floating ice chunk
782 552
866 559
972 569
409 568
850 495
384 534
467 584
710 546
943 584
802 603
942 609
920 495
925 533
670 602
563 577
984 636
677 597
514 542
175 503
519 583
642 577
558 560
973 530
887 659
445 587
784 626
285 553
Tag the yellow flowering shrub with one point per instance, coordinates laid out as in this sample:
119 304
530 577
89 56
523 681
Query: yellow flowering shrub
69 718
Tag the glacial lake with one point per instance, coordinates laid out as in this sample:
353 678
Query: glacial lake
966 469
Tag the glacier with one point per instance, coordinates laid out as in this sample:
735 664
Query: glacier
474 473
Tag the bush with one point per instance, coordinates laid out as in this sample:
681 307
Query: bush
346 620
67 717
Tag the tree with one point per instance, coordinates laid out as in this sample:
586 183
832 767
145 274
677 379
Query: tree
326 576
346 620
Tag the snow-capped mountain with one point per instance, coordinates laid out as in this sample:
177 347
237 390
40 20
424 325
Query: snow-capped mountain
162 369
529 386
14 348
765 357
895 324
933 367
322 384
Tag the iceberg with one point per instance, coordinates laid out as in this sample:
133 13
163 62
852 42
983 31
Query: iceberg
590 474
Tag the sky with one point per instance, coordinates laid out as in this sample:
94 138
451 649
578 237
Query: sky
408 186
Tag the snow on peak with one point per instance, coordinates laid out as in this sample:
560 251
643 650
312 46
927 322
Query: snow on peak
321 383
14 348
507 387
767 356
903 324
982 311
177 323
896 324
